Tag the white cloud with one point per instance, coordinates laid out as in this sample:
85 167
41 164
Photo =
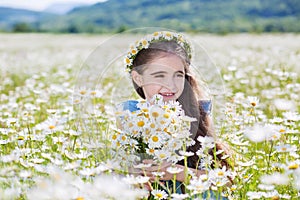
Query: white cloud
40 4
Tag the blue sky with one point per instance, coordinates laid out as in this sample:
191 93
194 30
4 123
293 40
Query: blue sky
39 5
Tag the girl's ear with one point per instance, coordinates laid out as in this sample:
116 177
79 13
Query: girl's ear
137 78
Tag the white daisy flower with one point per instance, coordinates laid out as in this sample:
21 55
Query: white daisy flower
159 194
275 179
174 170
253 101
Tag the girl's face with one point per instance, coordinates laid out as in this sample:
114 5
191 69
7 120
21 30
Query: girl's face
164 76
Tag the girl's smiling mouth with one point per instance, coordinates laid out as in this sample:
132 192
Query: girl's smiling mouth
168 95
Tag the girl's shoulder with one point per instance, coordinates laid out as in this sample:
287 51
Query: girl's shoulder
206 105
130 105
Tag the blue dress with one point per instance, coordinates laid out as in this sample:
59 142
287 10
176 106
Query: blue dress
131 105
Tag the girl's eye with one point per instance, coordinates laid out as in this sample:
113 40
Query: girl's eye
180 75
159 76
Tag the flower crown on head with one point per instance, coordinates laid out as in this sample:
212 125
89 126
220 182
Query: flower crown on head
155 37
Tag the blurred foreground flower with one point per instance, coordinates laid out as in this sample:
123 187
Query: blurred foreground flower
65 186
275 179
260 133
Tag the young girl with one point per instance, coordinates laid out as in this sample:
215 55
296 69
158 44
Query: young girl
160 64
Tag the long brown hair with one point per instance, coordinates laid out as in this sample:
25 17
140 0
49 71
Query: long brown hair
189 98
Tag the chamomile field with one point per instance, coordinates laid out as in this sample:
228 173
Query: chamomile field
58 133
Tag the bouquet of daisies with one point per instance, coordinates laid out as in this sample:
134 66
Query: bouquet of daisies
157 130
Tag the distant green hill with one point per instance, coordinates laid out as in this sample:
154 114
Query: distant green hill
216 16
11 18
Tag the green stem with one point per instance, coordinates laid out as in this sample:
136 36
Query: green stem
174 183
269 156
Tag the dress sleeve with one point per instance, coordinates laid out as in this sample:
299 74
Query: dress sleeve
130 105
206 106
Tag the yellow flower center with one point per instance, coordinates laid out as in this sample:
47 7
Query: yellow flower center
162 156
133 51
166 115
159 195
127 61
155 114
151 150
155 138
162 122
281 130
144 42
152 125
51 127
220 173
293 166
274 137
275 198
141 123
135 132
79 198
82 92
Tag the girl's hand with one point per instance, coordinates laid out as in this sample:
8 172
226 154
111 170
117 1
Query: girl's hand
156 167
157 172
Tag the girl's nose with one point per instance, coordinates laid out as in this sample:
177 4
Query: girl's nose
170 84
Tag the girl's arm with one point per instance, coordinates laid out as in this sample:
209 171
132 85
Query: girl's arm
169 176
181 175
